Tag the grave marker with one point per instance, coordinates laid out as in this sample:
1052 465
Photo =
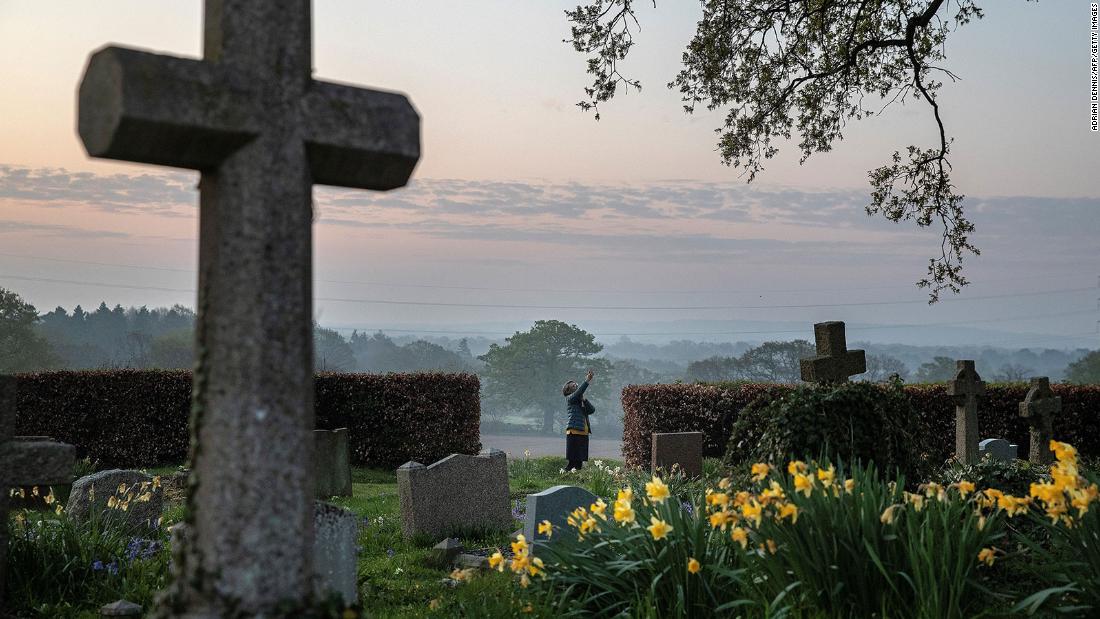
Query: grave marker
834 363
553 504
332 466
460 493
684 449
998 449
262 132
965 389
24 461
1039 408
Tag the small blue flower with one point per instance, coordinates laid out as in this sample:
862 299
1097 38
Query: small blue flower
112 568
389 552
97 565
688 507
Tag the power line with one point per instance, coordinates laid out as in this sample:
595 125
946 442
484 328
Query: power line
514 289
577 307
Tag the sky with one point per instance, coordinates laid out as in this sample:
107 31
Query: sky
523 205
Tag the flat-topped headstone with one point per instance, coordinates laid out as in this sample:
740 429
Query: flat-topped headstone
335 560
24 461
965 389
834 363
998 449
332 466
261 132
457 494
1039 407
553 504
682 449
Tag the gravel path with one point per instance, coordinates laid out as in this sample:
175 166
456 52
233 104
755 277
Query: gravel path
550 446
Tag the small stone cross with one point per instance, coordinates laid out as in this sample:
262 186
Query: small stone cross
1039 408
834 363
965 389
261 131
25 461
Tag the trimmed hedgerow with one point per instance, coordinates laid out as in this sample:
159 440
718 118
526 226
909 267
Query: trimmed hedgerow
139 418
713 409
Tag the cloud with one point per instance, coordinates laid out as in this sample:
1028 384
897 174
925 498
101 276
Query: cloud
163 193
21 227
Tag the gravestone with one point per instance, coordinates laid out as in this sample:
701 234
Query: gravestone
92 494
120 608
965 389
684 449
998 449
834 363
24 463
460 493
1039 408
34 497
332 465
553 504
335 561
261 132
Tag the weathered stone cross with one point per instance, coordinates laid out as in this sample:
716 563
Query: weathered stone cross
1039 408
24 461
965 389
261 131
834 363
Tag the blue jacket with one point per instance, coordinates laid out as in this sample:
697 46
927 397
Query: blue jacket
579 409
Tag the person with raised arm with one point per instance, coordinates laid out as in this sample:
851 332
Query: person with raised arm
577 427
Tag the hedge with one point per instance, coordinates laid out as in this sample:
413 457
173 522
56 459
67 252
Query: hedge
139 418
712 410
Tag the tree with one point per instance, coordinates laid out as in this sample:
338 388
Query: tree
779 66
1013 373
714 370
1085 370
530 369
331 352
21 349
175 350
775 362
937 370
881 367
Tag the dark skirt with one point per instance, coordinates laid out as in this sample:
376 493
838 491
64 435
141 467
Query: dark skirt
576 447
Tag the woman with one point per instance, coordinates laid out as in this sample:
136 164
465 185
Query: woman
577 427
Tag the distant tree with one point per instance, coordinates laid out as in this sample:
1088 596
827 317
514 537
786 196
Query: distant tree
1085 370
777 67
1013 373
775 362
423 356
175 350
713 370
464 348
937 370
530 369
21 348
881 367
331 352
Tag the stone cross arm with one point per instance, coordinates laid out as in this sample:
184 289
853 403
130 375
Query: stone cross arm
36 462
1040 402
153 108
966 383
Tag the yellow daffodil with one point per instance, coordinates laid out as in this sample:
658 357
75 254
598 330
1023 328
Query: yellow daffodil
826 476
965 488
849 485
121 488
496 562
934 490
1063 451
796 466
987 556
889 514
753 511
789 510
624 513
724 483
718 499
545 528
626 494
519 547
720 519
656 490
598 508
772 547
524 581
49 498
741 498
760 471
112 502
535 567
693 566
916 500
740 535
803 484
1013 506
435 604
658 528
773 493
588 526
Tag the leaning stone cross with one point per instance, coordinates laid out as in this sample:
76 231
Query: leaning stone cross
1039 408
965 389
834 363
262 132
24 461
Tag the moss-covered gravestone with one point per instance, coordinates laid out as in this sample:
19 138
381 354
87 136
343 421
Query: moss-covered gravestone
261 132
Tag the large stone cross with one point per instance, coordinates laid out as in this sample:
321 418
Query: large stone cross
834 363
262 132
965 390
1039 408
24 461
